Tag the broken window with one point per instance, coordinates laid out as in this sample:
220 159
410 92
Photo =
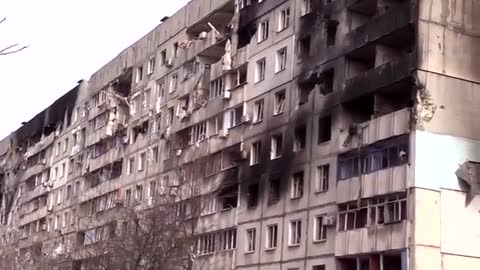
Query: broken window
175 49
243 4
276 146
236 116
163 57
281 60
217 87
252 196
160 89
325 86
139 193
130 165
241 75
373 211
228 197
272 235
283 19
321 184
214 164
324 129
263 28
274 191
295 232
258 111
260 70
373 158
255 153
251 239
141 161
296 190
279 102
198 133
304 48
331 32
320 231
300 138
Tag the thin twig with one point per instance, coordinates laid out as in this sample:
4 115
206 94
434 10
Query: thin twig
5 51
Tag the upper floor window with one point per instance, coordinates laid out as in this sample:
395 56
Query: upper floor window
297 185
243 4
173 83
281 60
306 7
150 66
279 102
295 232
263 28
163 57
255 153
250 241
258 111
283 19
139 75
260 70
217 87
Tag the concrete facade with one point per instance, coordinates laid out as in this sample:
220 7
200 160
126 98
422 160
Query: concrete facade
337 126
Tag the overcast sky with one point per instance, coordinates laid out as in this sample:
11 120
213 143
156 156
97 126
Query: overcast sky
69 40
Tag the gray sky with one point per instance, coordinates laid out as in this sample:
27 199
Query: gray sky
69 40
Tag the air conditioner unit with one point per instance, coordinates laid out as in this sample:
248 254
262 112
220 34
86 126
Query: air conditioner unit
246 118
223 133
226 95
328 221
202 35
169 62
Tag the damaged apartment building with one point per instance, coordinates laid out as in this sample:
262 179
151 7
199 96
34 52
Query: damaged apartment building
321 134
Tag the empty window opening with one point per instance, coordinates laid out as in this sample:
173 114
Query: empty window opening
305 43
331 32
324 129
274 191
360 61
252 196
300 138
228 197
325 85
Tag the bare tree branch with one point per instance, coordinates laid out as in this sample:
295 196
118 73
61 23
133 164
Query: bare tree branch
10 49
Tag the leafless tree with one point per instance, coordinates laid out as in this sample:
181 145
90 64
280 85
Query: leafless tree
12 48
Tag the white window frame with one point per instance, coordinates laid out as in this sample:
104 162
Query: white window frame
322 179
276 147
283 19
297 185
258 107
306 7
138 74
250 245
279 104
130 165
260 70
295 232
271 241
255 153
263 29
281 60
141 161
198 133
319 230
150 66
173 83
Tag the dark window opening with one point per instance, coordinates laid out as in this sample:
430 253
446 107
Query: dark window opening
252 196
274 191
305 47
331 29
300 138
360 61
361 109
325 86
245 34
324 129
228 197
